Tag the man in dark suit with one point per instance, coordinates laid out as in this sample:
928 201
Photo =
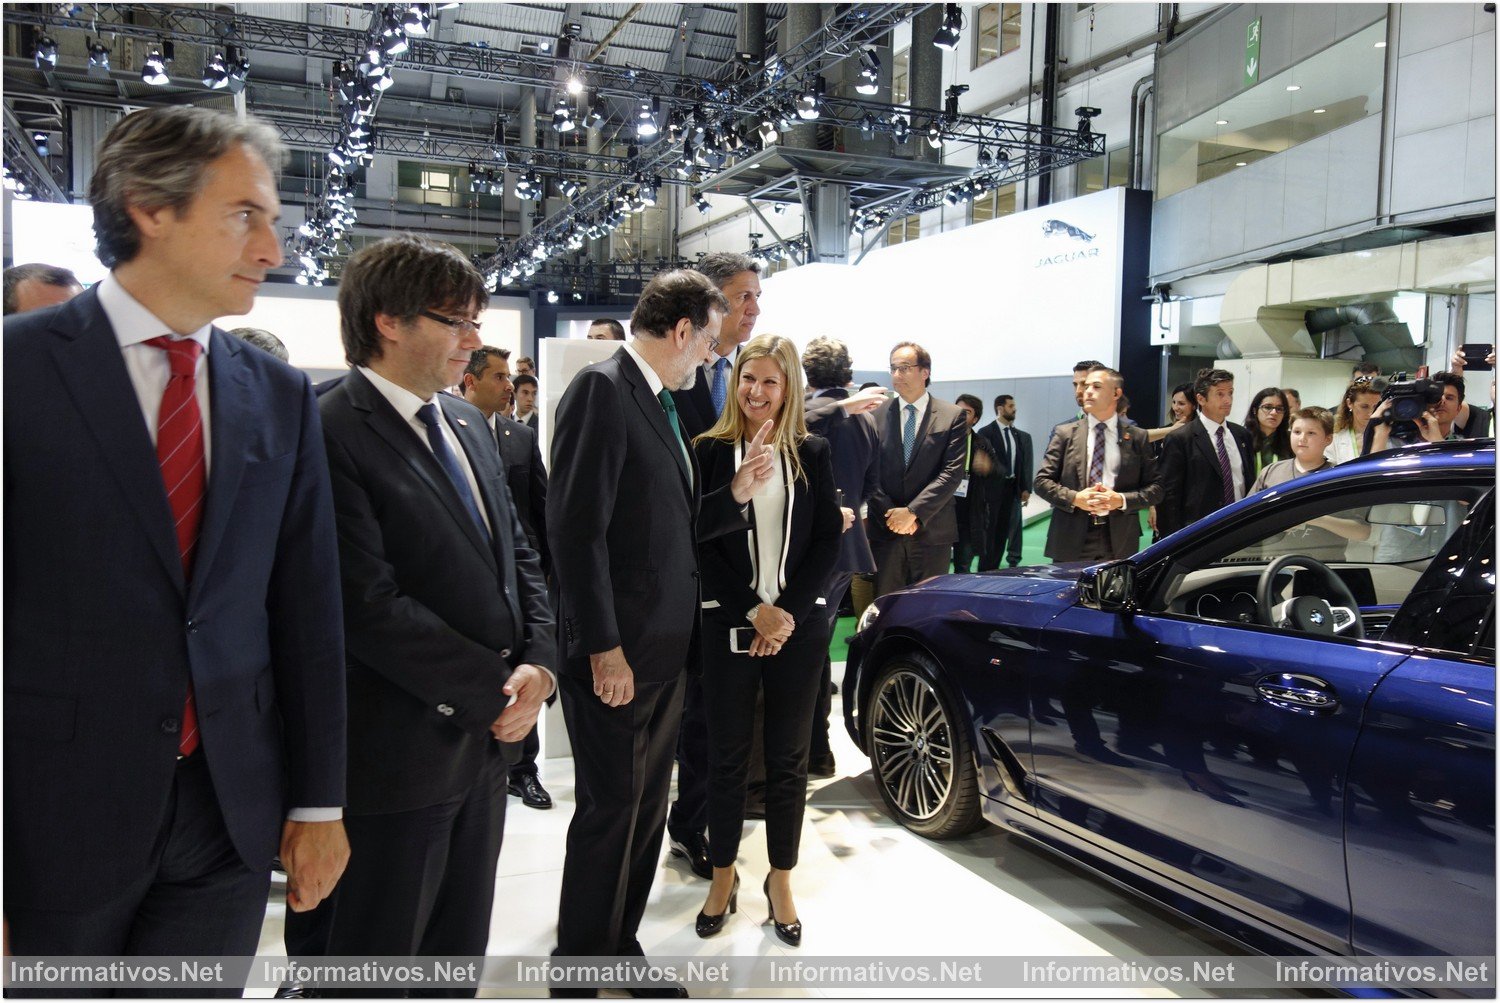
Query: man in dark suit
1011 486
1207 463
845 421
737 277
450 637
912 522
974 500
623 518
1098 475
487 385
174 702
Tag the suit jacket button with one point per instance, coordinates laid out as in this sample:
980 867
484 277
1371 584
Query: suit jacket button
504 652
445 710
192 626
170 725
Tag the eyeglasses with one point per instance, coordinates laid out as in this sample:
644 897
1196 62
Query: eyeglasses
457 324
898 370
1272 408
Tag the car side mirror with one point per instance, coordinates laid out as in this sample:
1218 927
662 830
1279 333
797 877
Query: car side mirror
1108 587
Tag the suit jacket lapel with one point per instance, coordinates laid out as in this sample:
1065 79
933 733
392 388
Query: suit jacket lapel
233 410
655 414
485 464
400 436
92 371
922 427
1078 452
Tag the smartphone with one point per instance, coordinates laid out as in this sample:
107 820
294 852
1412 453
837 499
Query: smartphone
739 640
1474 356
838 496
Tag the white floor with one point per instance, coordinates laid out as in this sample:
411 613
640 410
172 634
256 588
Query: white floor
864 886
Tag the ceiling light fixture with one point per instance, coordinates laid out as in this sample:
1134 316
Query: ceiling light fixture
810 99
98 59
946 37
562 115
216 73
646 124
46 51
154 69
869 72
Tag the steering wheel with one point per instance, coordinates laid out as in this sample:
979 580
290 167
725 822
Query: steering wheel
1309 614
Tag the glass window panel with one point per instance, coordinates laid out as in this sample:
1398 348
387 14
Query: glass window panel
1337 87
900 77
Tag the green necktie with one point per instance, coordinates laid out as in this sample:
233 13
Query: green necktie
671 408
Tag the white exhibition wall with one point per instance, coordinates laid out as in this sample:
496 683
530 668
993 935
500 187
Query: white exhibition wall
56 233
1021 296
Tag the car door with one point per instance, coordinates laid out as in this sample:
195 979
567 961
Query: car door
1421 810
1216 752
1158 741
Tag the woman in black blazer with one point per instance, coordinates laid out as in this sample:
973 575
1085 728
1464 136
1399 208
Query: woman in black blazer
763 595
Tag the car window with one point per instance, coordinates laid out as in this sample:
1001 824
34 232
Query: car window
1452 607
1379 548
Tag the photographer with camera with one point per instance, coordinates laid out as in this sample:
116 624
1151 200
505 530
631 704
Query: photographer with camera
1412 411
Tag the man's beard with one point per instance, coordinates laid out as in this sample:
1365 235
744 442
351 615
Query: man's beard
688 380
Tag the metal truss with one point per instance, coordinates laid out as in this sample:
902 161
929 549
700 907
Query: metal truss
23 165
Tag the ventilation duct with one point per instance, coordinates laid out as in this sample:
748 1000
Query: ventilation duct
1385 338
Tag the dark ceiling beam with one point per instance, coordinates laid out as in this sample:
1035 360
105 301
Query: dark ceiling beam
692 14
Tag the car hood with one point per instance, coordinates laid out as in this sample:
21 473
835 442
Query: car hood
1045 579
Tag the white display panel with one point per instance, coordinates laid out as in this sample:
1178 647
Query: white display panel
54 233
1021 296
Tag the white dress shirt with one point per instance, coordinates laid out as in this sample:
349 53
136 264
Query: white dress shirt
148 366
1111 448
1231 448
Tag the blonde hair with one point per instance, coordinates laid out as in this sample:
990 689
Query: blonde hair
791 423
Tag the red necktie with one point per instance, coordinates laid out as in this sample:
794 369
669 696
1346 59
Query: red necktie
179 451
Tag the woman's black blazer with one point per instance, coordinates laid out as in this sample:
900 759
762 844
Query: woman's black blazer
810 541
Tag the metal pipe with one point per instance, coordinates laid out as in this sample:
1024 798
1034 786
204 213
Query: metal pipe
609 36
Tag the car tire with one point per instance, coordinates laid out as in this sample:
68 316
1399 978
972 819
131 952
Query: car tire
920 750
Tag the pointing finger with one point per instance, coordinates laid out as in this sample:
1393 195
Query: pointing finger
761 436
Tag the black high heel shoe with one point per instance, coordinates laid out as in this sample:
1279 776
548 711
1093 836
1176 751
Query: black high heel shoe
708 925
790 933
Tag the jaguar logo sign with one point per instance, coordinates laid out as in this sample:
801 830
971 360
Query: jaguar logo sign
1058 228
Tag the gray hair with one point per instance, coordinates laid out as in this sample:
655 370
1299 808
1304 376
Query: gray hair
263 340
721 266
156 158
47 275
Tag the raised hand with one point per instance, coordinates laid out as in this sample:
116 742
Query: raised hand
864 401
757 467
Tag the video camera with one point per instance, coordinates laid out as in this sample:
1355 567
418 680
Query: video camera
1409 398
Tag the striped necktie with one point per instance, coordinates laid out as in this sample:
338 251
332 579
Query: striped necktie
179 452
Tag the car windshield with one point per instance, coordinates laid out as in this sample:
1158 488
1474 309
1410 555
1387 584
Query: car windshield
1392 533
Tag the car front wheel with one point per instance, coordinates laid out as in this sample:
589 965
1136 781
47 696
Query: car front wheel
919 745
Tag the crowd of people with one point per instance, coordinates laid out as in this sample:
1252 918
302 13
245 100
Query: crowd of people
250 620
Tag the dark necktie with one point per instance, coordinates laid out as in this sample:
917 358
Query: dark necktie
179 451
909 433
1010 452
670 406
1224 472
1096 463
430 418
719 390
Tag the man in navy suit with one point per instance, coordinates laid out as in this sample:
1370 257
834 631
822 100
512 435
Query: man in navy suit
450 634
174 695
1011 490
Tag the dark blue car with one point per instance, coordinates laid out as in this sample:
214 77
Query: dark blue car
1279 721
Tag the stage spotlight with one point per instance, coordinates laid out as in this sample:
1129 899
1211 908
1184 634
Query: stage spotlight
596 109
46 52
646 114
935 136
869 73
947 36
154 69
551 295
702 203
39 139
562 115
810 100
216 73
98 59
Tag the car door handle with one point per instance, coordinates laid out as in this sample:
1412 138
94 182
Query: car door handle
1298 692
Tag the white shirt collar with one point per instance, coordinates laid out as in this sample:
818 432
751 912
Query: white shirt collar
920 403
1208 423
1112 422
132 322
652 380
406 403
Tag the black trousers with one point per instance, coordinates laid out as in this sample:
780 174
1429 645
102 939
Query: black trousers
531 747
967 547
622 764
421 882
195 896
789 683
903 561
1005 530
689 814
